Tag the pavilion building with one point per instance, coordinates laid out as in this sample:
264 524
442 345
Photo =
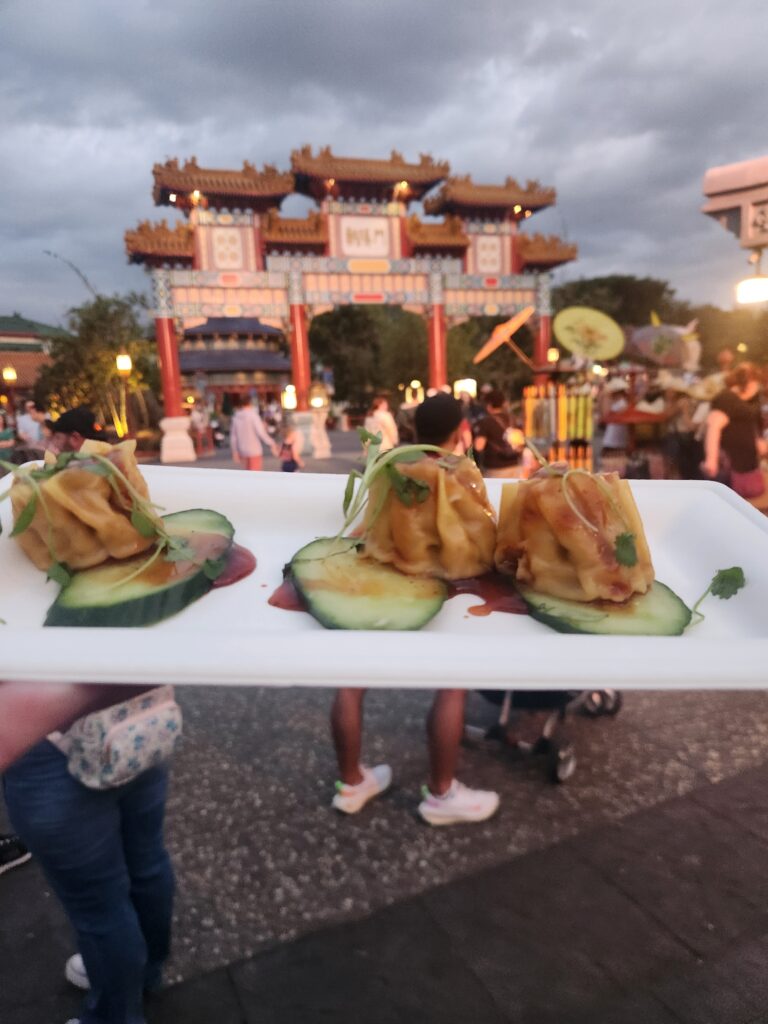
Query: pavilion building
24 350
234 266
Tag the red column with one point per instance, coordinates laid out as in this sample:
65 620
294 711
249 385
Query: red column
436 342
300 368
170 375
541 344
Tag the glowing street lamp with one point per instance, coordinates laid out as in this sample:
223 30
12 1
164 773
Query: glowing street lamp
288 398
553 354
9 380
753 289
124 365
467 385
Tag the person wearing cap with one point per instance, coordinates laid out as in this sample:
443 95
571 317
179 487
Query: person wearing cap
445 801
70 430
497 441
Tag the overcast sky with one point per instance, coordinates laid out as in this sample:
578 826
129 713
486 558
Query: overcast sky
620 106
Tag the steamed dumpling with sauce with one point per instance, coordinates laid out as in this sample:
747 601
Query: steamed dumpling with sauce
450 534
559 537
82 517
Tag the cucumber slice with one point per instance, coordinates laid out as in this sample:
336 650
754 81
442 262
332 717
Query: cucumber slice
344 590
658 612
97 597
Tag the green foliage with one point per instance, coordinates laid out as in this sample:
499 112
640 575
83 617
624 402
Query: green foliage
629 300
503 369
82 372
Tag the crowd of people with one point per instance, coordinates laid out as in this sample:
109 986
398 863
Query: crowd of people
101 847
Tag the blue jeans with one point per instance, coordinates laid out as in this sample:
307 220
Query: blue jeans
102 852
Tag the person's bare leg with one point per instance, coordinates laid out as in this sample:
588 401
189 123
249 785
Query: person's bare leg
347 733
445 727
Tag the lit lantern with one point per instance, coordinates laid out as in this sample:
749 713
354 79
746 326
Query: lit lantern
288 398
468 385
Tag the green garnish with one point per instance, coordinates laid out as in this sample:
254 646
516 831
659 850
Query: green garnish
725 583
142 514
59 573
625 550
383 465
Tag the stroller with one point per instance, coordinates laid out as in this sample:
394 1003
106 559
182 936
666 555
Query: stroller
553 744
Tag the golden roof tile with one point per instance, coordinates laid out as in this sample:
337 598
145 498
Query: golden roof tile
159 243
447 234
544 250
309 230
216 185
461 193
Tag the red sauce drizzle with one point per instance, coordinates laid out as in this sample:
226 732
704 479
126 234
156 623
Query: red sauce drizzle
288 598
240 563
495 590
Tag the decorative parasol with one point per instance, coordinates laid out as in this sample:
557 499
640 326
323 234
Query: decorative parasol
661 344
502 334
588 333
667 344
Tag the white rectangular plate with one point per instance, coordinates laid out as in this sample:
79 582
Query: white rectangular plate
233 636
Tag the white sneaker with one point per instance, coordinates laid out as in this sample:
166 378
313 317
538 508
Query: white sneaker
458 804
351 799
75 973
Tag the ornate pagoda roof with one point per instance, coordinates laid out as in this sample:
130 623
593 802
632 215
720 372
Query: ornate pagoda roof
247 189
322 174
463 196
446 234
300 232
157 243
544 251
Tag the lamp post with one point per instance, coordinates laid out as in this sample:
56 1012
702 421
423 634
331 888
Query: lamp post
753 289
9 380
124 365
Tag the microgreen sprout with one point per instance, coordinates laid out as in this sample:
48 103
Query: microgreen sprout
724 584
143 517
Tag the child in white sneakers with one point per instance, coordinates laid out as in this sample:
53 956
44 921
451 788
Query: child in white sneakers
445 800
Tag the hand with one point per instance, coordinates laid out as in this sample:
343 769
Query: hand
236 458
275 450
709 469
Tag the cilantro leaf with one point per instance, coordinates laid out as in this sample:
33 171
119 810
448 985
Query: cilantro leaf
727 582
26 516
724 584
143 524
409 490
625 550
214 567
59 573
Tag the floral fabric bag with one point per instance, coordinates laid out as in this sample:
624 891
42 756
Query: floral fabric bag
111 747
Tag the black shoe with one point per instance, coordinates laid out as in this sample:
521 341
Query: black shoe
12 853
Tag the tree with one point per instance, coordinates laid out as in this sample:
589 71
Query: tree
629 300
82 371
503 368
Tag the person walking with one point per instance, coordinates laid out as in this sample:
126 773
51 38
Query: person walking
493 437
248 435
290 449
381 421
445 800
733 443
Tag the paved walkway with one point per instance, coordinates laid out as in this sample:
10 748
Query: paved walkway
635 894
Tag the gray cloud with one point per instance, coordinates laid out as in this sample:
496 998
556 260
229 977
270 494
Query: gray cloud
622 108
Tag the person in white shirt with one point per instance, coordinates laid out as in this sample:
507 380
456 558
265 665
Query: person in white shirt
381 421
29 426
248 435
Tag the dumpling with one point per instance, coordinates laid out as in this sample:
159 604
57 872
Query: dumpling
560 537
81 517
450 534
